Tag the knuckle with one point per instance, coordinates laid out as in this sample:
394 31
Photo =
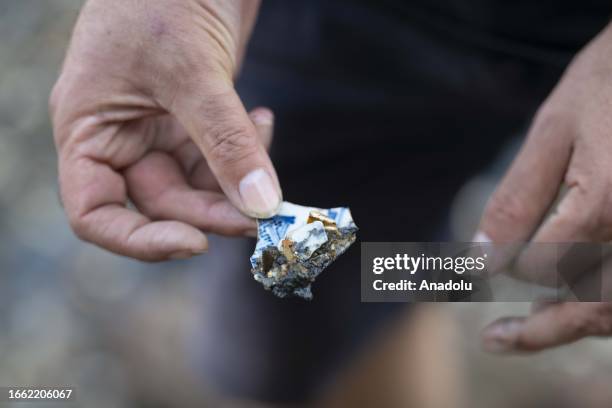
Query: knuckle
587 206
593 213
229 145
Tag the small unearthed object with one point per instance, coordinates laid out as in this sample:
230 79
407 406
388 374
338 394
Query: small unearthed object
297 244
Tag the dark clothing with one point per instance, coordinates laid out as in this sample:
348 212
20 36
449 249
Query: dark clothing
386 107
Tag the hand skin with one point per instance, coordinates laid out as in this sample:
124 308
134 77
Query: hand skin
548 325
570 143
145 112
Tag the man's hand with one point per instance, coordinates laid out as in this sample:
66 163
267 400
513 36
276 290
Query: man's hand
145 112
569 143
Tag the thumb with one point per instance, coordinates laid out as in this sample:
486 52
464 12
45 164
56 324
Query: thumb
221 128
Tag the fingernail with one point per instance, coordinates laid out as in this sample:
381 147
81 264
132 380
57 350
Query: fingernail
499 255
259 194
262 117
185 254
501 337
481 237
480 250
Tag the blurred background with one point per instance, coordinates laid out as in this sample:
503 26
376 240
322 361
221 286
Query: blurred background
122 332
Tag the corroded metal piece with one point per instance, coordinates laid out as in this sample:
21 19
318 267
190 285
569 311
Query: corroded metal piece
297 245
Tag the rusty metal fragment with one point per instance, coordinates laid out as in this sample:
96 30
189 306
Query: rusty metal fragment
296 245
